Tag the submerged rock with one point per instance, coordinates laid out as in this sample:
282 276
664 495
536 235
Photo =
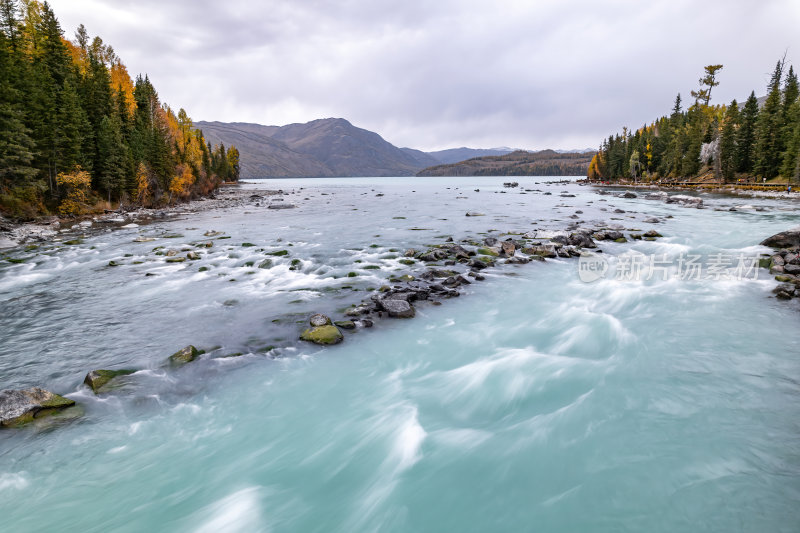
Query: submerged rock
21 406
98 378
323 335
345 324
184 355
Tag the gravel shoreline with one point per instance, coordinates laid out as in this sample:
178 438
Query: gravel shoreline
13 234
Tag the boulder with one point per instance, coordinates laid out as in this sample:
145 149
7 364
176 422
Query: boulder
652 234
584 240
627 195
184 355
323 335
508 248
691 201
785 239
319 320
792 269
98 378
21 406
490 241
345 324
397 308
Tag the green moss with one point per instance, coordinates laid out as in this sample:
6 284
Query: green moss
765 262
374 246
487 251
73 242
247 244
279 253
184 355
323 335
485 258
249 263
407 262
352 274
372 267
113 264
203 269
621 239
96 379
16 260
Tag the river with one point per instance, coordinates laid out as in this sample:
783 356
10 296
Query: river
533 402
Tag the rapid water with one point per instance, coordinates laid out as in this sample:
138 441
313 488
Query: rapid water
534 402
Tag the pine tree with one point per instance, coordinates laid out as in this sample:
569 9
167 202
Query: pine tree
791 156
746 136
112 169
768 129
728 141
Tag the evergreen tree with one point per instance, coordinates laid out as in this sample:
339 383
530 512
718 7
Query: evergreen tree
728 141
112 169
768 129
791 156
746 136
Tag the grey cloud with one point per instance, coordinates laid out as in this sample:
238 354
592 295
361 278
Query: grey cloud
561 74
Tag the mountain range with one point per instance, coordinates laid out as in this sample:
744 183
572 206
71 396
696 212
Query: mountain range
329 147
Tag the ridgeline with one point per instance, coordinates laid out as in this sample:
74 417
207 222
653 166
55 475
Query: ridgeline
518 163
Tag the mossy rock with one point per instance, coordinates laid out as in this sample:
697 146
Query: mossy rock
113 264
621 239
266 263
18 407
488 251
248 244
352 274
279 253
765 262
176 259
99 378
407 262
203 269
400 279
636 236
73 242
371 267
345 324
184 355
323 335
485 258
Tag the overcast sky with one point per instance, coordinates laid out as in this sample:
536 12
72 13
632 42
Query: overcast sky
434 74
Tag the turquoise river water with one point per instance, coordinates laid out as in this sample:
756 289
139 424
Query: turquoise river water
533 402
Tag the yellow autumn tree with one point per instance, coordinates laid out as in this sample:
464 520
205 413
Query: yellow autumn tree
77 186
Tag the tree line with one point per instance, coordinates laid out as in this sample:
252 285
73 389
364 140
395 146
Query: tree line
75 128
754 141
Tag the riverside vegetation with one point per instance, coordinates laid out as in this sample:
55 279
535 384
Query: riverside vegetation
724 143
77 133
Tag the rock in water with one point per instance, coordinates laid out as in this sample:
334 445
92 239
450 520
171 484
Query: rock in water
98 378
324 335
508 248
319 320
21 406
184 355
398 308
785 239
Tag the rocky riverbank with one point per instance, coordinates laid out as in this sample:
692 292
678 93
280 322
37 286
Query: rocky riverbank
13 234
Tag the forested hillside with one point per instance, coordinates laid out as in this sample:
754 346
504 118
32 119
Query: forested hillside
729 142
518 163
76 132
